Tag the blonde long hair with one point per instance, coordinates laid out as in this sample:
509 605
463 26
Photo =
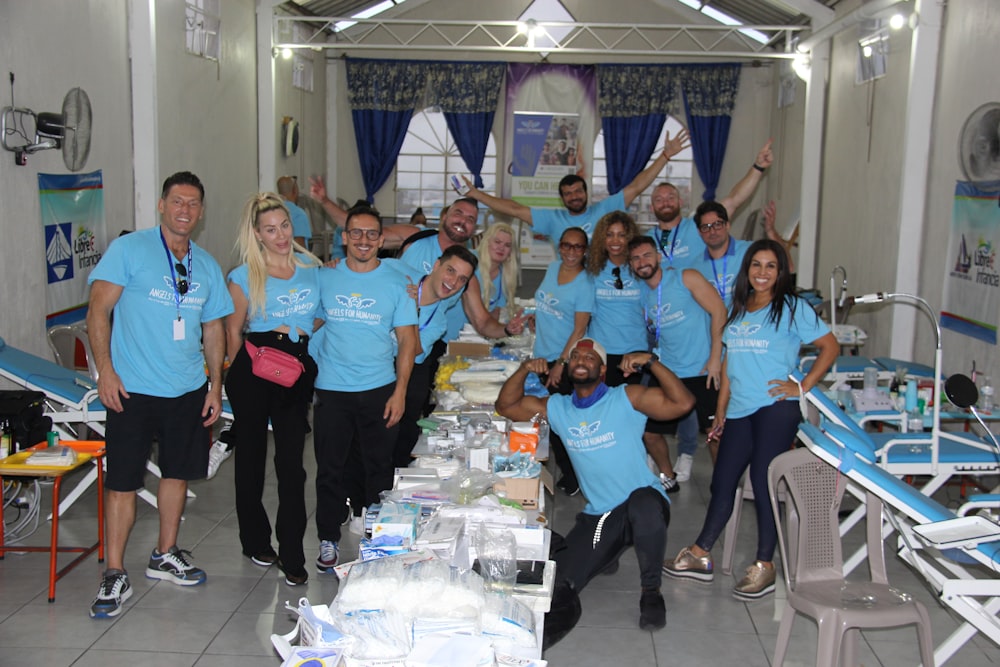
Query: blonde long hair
508 271
251 250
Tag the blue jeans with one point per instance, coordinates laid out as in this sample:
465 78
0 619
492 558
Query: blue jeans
687 434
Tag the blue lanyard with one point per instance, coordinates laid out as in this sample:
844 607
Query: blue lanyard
420 290
720 281
669 255
178 297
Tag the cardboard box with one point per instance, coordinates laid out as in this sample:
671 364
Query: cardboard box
523 490
466 349
398 520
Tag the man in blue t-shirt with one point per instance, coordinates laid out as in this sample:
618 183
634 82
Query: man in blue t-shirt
723 255
360 390
301 227
677 236
601 428
573 193
168 298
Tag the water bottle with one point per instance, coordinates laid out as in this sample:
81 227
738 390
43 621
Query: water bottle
986 397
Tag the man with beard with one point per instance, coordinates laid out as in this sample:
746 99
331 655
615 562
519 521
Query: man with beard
360 391
602 429
573 192
723 254
684 316
677 237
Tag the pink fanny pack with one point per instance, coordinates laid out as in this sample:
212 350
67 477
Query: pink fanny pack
274 365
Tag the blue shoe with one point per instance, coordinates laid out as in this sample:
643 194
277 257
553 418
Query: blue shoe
328 556
174 566
114 590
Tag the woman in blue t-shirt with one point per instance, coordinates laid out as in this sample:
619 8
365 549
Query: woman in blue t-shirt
498 269
276 296
563 303
758 405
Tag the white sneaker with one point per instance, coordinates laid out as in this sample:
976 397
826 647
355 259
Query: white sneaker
219 452
357 526
683 467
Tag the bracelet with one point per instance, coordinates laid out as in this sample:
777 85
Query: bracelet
759 168
562 360
646 367
507 331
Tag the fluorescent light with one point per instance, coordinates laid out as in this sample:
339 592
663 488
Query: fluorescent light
374 10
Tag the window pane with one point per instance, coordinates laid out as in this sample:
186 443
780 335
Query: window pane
408 163
407 180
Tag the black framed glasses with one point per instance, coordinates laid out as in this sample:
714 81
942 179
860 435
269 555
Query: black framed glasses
371 234
617 273
574 247
708 227
182 283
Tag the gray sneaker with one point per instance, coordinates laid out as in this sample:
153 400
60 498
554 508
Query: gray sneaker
174 566
114 590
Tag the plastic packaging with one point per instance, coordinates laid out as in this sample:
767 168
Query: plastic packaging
497 554
986 395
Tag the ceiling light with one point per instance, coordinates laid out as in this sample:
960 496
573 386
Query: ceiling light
897 21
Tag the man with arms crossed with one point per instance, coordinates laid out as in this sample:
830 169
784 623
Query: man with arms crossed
168 298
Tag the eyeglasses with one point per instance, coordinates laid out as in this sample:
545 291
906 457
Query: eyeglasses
617 273
371 234
710 226
182 284
575 247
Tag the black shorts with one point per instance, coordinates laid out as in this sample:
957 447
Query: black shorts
705 402
176 424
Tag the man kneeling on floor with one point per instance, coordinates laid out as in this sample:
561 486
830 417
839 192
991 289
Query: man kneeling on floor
602 430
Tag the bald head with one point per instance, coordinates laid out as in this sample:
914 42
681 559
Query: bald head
288 188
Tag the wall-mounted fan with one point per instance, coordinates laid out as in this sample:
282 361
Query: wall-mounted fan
979 147
69 130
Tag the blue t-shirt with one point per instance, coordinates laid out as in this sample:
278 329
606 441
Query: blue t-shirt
554 221
681 327
457 317
143 350
421 255
758 352
604 443
556 307
722 272
293 301
432 320
681 246
616 322
300 221
355 348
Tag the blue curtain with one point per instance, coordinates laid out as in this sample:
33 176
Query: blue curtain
709 97
467 95
634 103
383 95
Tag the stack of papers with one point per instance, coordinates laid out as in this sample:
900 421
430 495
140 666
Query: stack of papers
55 457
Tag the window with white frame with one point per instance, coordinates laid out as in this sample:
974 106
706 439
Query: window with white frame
202 28
427 160
678 172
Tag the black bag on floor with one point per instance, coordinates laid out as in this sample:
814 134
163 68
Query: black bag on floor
24 411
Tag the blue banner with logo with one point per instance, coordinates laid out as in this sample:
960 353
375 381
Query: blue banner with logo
972 284
72 213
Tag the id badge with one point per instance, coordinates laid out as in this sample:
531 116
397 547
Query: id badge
179 329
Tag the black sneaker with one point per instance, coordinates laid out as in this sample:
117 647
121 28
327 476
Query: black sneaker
264 558
174 566
652 611
570 487
114 590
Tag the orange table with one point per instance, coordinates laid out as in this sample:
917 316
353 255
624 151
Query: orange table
15 466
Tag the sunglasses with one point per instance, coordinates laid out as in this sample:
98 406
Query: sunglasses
575 247
718 224
356 234
617 273
182 284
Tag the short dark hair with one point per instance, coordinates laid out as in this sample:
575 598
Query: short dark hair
467 200
581 230
641 240
182 178
570 180
462 253
355 211
710 206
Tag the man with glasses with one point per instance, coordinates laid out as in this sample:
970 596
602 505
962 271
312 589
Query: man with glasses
676 236
360 389
721 259
573 193
169 299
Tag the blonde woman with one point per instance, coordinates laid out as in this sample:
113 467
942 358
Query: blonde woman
276 296
497 262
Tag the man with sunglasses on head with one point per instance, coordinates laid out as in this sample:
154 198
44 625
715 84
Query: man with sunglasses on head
364 352
676 236
168 298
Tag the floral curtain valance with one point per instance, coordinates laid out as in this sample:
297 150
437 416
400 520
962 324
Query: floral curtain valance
627 91
711 89
401 85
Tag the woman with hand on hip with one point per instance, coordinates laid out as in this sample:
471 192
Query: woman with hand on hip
276 294
563 304
758 405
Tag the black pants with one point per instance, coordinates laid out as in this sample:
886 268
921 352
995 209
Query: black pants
596 541
255 402
417 391
340 418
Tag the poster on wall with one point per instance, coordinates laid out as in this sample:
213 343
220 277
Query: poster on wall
544 150
72 216
971 304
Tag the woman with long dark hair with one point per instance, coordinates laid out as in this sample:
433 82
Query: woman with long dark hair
758 406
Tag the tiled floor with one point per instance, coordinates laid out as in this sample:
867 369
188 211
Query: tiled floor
228 621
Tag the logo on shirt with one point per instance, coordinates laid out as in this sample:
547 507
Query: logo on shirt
584 430
355 301
585 437
192 287
626 283
356 308
293 297
743 329
743 338
546 302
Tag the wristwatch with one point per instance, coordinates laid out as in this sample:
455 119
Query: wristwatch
646 367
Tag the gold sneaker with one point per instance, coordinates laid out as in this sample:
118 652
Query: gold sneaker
689 566
757 582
